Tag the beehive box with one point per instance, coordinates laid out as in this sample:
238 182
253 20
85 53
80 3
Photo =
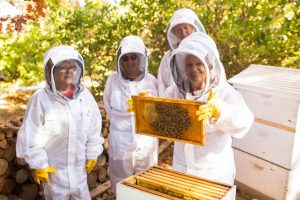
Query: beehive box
159 183
267 158
166 118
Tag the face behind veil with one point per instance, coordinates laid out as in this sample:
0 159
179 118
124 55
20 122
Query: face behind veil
202 48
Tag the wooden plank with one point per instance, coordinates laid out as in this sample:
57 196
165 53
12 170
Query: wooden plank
274 124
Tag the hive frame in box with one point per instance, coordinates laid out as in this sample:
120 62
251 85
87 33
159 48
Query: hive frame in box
156 183
195 133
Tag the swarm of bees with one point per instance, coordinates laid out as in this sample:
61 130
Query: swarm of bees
170 120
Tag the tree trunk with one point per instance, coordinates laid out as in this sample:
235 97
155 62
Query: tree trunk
106 145
3 197
163 146
16 123
92 179
3 166
3 144
100 189
20 161
1 153
9 186
2 136
12 127
105 132
9 154
101 105
21 175
105 123
13 197
102 174
1 182
9 133
8 170
3 128
29 191
108 171
101 161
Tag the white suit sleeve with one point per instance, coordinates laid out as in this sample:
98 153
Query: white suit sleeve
163 75
106 96
94 139
236 118
27 146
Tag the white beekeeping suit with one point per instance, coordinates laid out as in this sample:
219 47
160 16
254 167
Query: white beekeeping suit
181 16
60 132
128 153
215 160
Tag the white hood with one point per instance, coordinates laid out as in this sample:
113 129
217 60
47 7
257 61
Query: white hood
57 54
181 16
133 44
203 47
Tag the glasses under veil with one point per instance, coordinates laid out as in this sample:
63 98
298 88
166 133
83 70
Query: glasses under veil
126 57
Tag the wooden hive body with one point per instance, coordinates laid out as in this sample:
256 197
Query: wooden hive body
268 157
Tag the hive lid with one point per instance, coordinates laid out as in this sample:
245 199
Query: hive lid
276 80
171 119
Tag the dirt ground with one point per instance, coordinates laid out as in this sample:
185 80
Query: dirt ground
14 104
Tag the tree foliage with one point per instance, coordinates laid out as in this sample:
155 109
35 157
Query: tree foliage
20 14
261 32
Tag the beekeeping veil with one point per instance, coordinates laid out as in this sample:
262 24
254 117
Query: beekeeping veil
203 47
54 57
132 44
182 16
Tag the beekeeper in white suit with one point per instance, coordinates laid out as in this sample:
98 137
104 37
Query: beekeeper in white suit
183 22
61 133
128 153
197 74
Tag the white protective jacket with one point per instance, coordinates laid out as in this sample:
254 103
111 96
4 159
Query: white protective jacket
60 132
128 152
215 160
180 16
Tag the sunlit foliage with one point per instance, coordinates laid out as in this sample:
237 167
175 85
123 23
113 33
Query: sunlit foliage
261 32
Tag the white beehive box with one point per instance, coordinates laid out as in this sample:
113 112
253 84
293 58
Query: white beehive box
156 183
268 157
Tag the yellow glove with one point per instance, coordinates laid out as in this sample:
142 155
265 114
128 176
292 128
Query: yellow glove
90 164
209 111
42 174
143 94
130 103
